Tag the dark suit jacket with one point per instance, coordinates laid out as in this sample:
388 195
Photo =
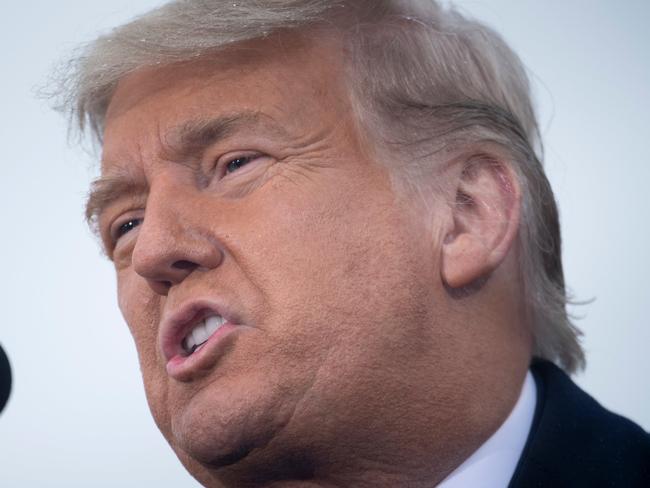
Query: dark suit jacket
575 442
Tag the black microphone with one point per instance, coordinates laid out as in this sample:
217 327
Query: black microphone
5 379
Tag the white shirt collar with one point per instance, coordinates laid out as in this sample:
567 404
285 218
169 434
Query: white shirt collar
493 464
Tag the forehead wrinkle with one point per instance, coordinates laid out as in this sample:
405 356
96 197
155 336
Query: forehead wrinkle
181 144
190 139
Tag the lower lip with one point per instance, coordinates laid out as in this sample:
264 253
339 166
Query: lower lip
184 368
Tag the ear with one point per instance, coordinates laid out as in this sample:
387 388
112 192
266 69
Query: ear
485 220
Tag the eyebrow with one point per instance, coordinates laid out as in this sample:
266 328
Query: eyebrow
183 144
191 138
106 189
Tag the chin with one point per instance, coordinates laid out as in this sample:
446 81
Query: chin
221 426
211 445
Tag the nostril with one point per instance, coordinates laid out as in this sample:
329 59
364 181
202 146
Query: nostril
185 265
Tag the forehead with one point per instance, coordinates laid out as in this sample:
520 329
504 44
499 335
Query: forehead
294 81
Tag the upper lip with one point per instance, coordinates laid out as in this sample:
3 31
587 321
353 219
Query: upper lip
178 323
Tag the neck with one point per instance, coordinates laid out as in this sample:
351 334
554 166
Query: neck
425 432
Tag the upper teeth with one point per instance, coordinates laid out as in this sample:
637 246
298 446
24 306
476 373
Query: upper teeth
202 332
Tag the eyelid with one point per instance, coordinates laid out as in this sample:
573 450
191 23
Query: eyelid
120 227
223 161
121 220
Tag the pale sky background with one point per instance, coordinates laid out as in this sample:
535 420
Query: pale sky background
78 416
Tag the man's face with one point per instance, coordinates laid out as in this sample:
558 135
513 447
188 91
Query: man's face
241 188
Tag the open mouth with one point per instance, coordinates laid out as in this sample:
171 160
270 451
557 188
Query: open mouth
192 339
201 332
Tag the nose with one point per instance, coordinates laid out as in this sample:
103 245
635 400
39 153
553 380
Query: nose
172 243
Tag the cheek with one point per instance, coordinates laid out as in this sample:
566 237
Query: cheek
140 308
332 255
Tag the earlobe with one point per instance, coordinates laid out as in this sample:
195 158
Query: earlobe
485 221
464 261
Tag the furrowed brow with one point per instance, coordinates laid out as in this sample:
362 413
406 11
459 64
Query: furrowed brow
187 140
193 137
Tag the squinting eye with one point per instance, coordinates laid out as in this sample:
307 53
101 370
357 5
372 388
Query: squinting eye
127 226
236 163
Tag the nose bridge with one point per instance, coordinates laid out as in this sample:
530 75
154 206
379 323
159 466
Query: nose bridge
172 241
